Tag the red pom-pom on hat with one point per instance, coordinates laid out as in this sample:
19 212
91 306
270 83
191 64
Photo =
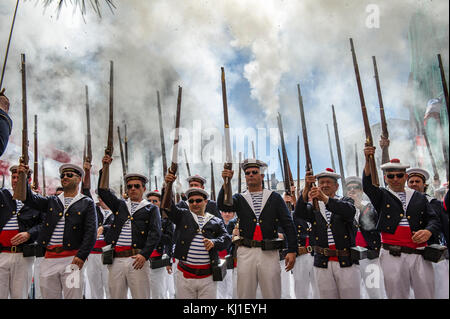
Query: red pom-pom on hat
395 160
330 170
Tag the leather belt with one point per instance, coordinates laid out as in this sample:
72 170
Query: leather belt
302 250
57 250
12 249
195 271
97 250
126 253
397 250
331 252
250 243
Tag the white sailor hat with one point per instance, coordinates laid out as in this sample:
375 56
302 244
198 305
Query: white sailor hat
394 165
196 191
415 171
71 168
253 162
133 176
154 193
329 172
14 168
353 180
197 178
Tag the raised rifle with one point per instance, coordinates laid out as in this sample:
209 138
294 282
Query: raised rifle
187 164
306 143
281 166
331 150
88 157
369 139
228 195
150 170
7 47
165 203
239 174
356 160
161 134
288 181
253 150
122 158
384 129
36 156
156 183
44 186
104 180
444 85
298 164
338 148
125 143
213 187
20 191
433 162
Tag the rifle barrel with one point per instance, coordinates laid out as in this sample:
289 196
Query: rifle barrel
9 44
228 199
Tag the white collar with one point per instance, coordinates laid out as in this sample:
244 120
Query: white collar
248 197
74 200
142 203
206 217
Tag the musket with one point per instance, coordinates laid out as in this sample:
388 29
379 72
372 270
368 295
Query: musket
433 162
253 150
161 134
444 85
187 164
331 150
156 183
36 167
104 181
20 191
298 163
44 186
239 174
150 170
281 166
124 168
268 181
125 143
356 160
384 129
308 165
8 45
369 139
165 203
288 181
228 199
88 157
213 187
338 148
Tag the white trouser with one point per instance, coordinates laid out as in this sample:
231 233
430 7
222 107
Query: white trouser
234 283
122 276
441 279
158 283
193 288
170 282
258 267
336 282
405 271
36 281
286 278
372 278
97 275
304 282
225 287
15 275
59 278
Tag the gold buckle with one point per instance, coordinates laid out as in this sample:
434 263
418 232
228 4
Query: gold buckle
14 249
325 252
309 249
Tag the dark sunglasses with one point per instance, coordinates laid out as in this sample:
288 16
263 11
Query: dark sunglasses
399 175
69 175
130 186
198 201
251 172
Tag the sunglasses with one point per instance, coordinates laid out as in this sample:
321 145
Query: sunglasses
69 175
399 175
251 172
198 201
130 186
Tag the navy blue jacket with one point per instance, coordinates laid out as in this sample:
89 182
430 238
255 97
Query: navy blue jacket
273 215
166 243
80 228
29 219
187 227
389 209
341 223
5 130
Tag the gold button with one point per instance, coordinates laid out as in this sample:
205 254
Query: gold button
182 242
18 214
14 212
113 242
74 227
67 214
50 209
324 263
142 232
299 231
60 214
374 241
117 213
388 227
185 226
343 263
114 225
132 218
299 226
79 213
387 216
198 229
420 222
184 257
317 238
260 221
134 245
274 231
314 223
276 219
409 217
43 242
146 221
345 236
254 219
401 215
345 249
376 248
46 224
68 245
388 205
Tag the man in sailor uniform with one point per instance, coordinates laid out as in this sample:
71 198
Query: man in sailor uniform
336 274
19 227
417 180
261 212
68 233
5 122
366 236
134 234
201 236
406 221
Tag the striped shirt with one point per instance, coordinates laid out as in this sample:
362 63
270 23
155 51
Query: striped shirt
197 254
58 232
329 232
257 203
403 222
105 213
13 223
125 238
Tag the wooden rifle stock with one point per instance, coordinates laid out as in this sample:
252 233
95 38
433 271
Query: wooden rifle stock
228 194
369 140
444 84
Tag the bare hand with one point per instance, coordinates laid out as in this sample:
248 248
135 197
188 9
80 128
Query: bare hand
107 160
99 231
139 262
23 168
87 166
227 173
421 236
316 192
170 178
169 270
281 236
369 150
289 261
20 238
4 103
208 244
78 261
384 142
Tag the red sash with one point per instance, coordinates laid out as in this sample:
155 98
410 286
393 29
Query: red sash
257 235
5 237
223 253
155 254
334 258
401 237
360 241
189 275
65 253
